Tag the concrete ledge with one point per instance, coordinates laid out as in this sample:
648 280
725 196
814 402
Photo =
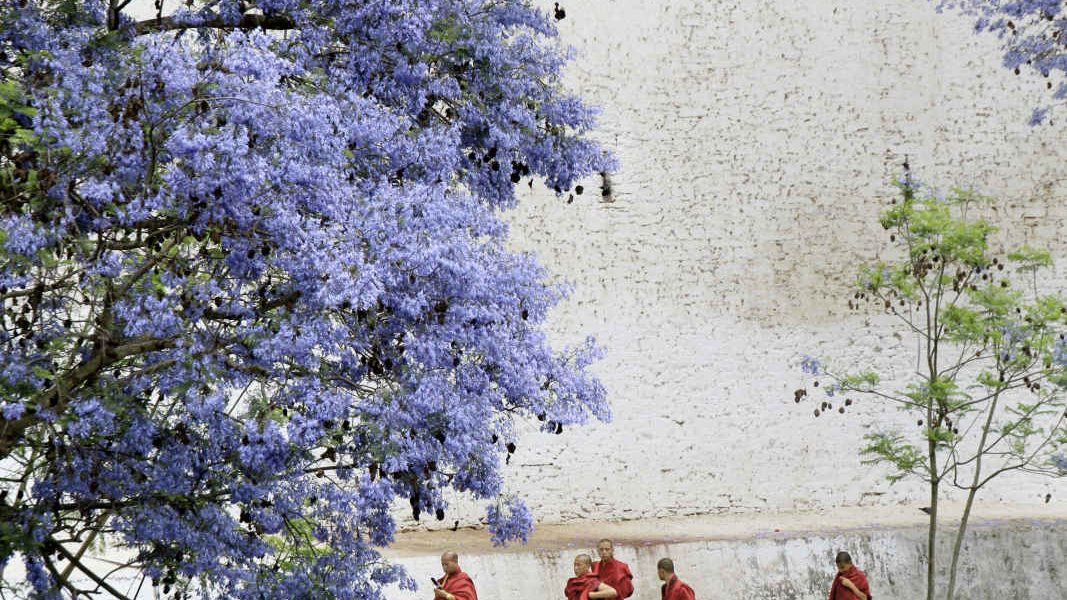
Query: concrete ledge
744 526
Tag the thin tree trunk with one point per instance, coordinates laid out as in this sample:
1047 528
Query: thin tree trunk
931 540
959 543
970 496
935 486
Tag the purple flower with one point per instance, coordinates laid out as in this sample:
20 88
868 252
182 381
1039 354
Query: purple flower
509 520
11 410
264 286
810 365
1028 30
1060 462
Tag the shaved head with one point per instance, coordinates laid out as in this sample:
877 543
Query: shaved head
843 561
450 563
582 564
605 549
665 564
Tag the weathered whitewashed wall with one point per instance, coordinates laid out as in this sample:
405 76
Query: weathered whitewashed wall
1022 560
758 140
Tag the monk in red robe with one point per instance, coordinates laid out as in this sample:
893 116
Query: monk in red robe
455 585
673 588
611 571
849 583
584 585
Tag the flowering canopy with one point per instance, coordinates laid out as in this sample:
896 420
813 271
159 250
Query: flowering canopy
1033 34
255 285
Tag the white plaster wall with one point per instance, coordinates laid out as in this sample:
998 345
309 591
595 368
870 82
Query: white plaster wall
758 139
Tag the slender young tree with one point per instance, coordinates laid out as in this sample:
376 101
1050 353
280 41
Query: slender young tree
255 285
988 394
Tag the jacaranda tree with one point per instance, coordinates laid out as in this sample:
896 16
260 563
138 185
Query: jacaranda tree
1034 35
256 289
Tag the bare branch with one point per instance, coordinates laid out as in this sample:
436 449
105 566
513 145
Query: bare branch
90 574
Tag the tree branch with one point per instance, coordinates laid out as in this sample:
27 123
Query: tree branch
90 574
248 21
55 396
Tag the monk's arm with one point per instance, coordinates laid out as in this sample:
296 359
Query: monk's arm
845 581
460 593
603 591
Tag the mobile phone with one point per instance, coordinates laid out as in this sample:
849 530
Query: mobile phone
435 583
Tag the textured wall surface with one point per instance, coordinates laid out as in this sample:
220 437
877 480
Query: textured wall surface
758 140
1019 559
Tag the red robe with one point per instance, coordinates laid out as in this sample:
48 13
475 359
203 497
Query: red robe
616 574
578 588
838 591
676 589
460 585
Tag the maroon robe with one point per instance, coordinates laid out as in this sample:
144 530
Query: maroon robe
460 585
838 591
676 589
578 588
616 574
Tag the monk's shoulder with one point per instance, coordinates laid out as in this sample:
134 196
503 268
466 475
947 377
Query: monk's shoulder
460 578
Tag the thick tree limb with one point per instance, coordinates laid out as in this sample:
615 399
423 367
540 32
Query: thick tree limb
56 396
248 21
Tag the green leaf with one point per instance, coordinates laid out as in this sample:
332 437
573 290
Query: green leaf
1030 259
446 30
891 448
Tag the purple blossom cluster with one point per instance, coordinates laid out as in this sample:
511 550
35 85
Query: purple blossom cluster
810 365
509 520
1060 462
256 288
1032 32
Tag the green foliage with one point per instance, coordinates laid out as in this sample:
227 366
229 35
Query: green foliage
894 450
860 381
1030 259
980 335
447 30
988 396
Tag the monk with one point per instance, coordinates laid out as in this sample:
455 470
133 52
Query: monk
849 583
673 588
584 585
455 585
611 571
